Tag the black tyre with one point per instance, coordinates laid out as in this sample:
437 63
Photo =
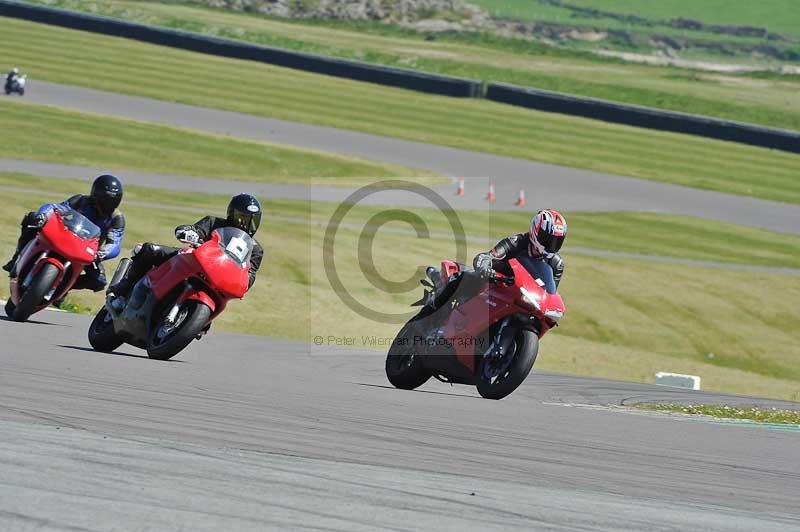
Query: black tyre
10 308
404 367
167 341
101 333
34 295
499 377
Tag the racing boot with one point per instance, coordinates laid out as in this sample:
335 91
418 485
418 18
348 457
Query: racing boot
9 266
435 276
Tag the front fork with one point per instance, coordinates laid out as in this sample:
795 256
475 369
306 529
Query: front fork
502 340
35 269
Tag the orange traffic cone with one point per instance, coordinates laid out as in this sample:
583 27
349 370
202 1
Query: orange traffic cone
460 191
521 198
491 196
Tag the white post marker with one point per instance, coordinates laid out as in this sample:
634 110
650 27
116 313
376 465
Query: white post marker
679 381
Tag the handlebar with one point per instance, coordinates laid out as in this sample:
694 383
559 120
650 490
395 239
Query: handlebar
500 280
190 244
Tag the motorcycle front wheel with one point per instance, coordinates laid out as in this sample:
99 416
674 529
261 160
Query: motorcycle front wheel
101 333
404 367
167 340
498 377
34 295
10 308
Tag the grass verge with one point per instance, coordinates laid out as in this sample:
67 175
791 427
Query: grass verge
483 56
770 415
123 66
94 140
626 319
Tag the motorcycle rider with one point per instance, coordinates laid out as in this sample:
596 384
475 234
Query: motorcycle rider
244 212
541 244
537 250
11 77
101 207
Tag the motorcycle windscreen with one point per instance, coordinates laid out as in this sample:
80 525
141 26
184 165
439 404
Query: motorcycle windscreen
78 223
541 271
237 244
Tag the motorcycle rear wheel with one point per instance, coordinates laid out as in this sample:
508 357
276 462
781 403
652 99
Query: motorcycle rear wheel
34 295
101 333
166 342
514 372
404 367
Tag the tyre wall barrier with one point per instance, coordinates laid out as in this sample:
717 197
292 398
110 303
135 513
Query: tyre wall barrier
645 117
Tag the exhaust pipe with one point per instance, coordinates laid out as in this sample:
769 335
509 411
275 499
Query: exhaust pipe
121 271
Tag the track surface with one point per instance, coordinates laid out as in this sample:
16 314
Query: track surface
571 189
243 433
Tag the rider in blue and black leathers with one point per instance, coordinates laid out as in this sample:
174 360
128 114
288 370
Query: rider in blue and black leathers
101 207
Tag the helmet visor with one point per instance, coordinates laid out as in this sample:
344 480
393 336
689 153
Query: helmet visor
246 221
551 243
107 203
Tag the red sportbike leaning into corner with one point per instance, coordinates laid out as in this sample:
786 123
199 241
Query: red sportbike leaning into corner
164 298
483 327
50 263
175 302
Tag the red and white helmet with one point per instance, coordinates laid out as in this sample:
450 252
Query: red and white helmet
548 230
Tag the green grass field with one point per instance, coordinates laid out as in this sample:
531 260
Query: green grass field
625 319
776 16
767 100
119 65
87 139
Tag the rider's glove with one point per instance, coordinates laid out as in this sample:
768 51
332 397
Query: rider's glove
37 221
187 235
483 266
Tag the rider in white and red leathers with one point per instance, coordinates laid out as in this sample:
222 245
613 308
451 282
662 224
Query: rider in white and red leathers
541 243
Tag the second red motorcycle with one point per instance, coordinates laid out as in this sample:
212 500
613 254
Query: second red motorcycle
175 302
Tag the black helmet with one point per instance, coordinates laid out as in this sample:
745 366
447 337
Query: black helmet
107 193
244 212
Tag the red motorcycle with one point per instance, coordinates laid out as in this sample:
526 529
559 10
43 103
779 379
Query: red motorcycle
50 263
486 335
175 302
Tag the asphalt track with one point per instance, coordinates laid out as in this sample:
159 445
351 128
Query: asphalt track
253 433
547 185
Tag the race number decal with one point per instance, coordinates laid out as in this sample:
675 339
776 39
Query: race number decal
237 247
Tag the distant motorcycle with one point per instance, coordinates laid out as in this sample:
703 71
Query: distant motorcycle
49 265
16 85
175 302
489 339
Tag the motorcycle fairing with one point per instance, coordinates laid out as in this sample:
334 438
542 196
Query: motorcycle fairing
52 244
493 303
133 325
